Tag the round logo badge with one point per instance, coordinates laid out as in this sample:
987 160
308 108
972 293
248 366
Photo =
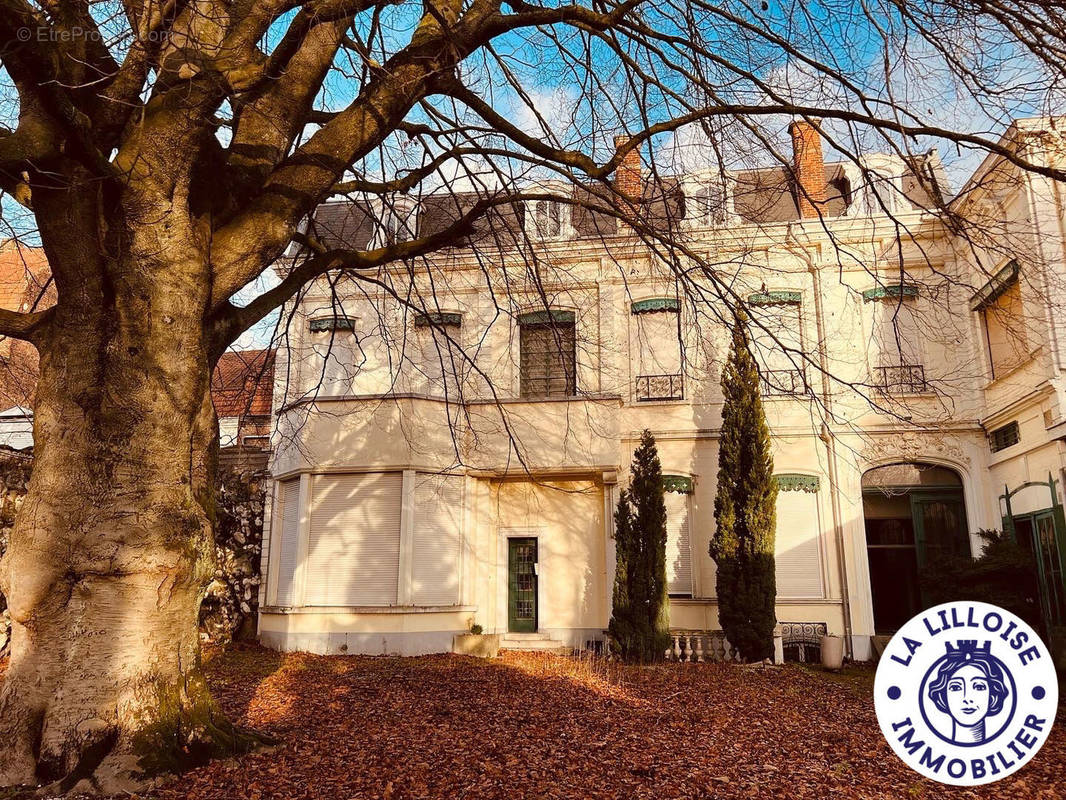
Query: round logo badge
966 693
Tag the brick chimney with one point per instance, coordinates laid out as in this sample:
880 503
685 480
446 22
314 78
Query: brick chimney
628 181
808 165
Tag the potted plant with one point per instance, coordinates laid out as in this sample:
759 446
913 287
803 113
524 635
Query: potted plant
476 642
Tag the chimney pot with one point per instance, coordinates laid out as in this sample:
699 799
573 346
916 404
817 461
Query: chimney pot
809 166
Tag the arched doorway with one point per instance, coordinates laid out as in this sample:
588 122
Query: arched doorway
914 514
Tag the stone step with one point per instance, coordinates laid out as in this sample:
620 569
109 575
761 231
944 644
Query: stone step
540 642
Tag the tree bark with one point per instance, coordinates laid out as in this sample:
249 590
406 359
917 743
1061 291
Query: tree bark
112 549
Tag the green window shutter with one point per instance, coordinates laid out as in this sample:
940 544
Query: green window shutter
653 304
682 484
999 283
793 482
776 298
438 319
332 324
547 317
893 291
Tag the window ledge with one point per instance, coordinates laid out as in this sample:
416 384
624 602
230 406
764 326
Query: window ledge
1025 362
365 609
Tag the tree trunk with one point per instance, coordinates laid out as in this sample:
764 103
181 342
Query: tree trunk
112 549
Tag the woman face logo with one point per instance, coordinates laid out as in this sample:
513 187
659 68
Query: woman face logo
968 685
967 695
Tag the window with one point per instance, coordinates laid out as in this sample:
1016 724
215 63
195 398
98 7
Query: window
288 529
658 349
435 359
338 356
895 344
436 539
798 540
353 550
1004 437
873 193
707 205
546 219
777 338
678 540
397 222
1002 316
548 358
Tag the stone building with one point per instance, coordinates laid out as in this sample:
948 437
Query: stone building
451 436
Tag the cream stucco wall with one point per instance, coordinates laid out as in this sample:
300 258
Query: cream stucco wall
552 466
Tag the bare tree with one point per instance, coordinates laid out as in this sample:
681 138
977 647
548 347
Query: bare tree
169 154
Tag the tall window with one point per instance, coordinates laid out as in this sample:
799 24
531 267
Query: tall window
338 356
776 333
658 349
894 340
678 490
548 358
436 362
1003 319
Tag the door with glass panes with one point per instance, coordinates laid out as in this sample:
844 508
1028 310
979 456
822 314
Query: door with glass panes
522 585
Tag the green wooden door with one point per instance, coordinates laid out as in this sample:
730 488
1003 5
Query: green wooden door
522 585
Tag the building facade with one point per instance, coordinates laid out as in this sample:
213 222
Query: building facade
451 436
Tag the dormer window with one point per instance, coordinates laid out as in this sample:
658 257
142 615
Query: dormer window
397 221
546 219
707 205
875 187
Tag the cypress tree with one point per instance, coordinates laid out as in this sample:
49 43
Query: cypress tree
639 628
745 508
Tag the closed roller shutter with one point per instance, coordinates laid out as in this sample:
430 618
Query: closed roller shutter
678 544
353 552
288 529
436 535
798 551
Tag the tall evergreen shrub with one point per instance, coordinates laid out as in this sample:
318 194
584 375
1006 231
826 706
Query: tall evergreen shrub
745 508
640 628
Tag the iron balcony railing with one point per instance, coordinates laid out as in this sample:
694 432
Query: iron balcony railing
660 387
901 379
783 382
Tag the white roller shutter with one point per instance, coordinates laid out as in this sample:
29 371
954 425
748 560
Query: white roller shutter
436 537
678 544
658 345
288 530
798 550
353 552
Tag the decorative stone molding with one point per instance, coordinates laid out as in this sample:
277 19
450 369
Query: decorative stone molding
906 446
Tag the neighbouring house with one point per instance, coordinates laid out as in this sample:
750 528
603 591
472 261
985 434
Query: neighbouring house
461 464
241 386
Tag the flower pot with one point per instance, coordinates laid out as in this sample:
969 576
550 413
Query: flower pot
482 645
832 652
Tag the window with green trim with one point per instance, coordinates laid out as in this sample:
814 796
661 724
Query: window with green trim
547 354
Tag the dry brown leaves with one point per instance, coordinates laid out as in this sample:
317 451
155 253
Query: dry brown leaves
539 727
